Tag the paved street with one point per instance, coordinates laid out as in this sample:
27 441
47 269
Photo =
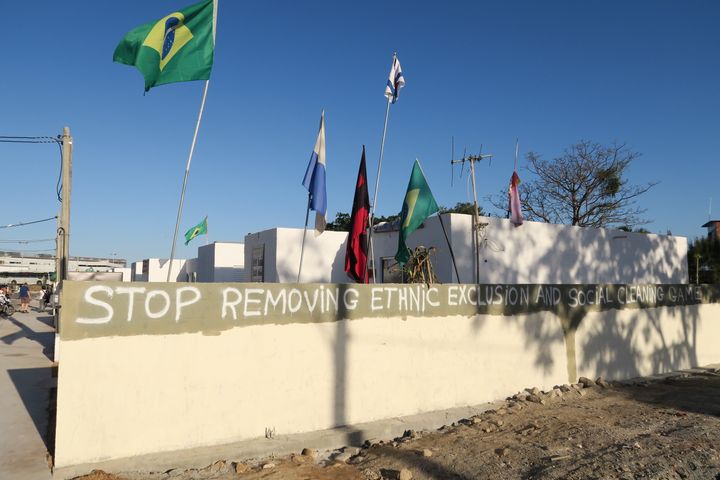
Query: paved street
26 382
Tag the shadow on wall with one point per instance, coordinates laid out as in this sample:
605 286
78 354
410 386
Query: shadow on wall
611 348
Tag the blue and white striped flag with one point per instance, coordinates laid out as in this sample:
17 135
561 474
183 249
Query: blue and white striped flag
314 179
395 81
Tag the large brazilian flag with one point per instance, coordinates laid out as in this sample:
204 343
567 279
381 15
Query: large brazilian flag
176 48
419 204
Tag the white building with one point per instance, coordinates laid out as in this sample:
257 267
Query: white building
221 262
216 262
274 256
31 268
531 253
156 270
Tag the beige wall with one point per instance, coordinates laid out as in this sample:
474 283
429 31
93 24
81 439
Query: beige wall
144 385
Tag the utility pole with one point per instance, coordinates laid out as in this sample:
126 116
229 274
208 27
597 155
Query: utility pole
63 248
476 211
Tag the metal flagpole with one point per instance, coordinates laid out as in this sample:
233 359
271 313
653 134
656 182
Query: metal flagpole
302 248
377 182
377 185
452 254
184 185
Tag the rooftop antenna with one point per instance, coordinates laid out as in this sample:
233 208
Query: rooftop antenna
710 210
472 159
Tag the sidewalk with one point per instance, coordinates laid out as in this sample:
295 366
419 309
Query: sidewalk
26 383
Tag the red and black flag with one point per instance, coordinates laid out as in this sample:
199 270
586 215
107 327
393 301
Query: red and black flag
356 251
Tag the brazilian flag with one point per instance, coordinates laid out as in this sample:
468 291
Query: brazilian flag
419 204
199 229
176 48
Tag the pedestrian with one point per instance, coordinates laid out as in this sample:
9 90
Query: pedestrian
24 298
45 299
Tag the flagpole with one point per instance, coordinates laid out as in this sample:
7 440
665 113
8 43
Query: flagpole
302 248
184 185
452 255
377 181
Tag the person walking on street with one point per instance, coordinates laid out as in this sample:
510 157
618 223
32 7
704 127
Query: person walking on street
24 298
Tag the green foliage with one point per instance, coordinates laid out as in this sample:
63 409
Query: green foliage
467 208
705 254
340 224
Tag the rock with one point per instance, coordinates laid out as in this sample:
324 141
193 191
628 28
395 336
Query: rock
499 423
353 450
309 452
577 386
565 388
268 466
582 393
427 453
371 474
535 399
410 434
389 474
219 466
405 474
343 457
476 420
501 452
241 467
533 391
601 381
586 382
556 392
298 459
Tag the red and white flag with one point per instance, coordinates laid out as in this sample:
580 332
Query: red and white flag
514 207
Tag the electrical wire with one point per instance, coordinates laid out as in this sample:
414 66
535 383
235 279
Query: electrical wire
29 241
40 139
29 251
21 224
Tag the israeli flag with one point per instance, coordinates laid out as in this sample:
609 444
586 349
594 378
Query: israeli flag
314 179
395 81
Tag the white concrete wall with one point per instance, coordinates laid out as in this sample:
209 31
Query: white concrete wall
188 390
546 253
184 390
323 261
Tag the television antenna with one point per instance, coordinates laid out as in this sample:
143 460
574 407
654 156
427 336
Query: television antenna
472 160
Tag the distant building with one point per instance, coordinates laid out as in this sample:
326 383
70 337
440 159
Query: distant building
31 268
713 229
216 262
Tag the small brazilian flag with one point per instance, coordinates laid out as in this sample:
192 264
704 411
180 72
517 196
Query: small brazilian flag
199 229
419 204
176 48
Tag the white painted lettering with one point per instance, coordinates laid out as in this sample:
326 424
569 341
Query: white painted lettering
98 303
130 292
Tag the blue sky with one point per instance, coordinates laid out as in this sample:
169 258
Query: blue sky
646 73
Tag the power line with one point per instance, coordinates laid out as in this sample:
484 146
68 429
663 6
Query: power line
21 224
29 241
39 139
30 251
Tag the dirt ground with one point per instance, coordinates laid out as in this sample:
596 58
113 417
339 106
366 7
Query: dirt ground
643 429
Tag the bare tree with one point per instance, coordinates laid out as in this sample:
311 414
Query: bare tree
586 186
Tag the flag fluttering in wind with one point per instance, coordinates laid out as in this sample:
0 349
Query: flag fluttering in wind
419 204
514 199
177 48
395 81
199 229
314 179
356 250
